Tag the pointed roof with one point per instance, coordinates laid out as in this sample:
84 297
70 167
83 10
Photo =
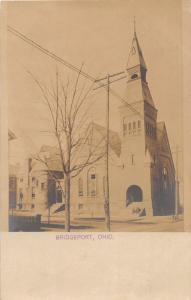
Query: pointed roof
135 55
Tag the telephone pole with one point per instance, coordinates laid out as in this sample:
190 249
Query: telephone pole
177 194
107 141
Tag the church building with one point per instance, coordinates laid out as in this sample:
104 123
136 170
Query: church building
141 169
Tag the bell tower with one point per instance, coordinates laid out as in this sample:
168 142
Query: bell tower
138 123
138 127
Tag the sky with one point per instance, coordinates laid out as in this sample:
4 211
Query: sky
99 34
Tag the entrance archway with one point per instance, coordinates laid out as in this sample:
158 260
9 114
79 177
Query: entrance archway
134 194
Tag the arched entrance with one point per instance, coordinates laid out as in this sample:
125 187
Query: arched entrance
134 194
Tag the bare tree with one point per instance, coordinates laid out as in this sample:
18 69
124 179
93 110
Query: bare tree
68 105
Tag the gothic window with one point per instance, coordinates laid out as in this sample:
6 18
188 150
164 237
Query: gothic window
165 177
80 187
150 130
91 184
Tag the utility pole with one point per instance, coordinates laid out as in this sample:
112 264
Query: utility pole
177 181
177 194
107 192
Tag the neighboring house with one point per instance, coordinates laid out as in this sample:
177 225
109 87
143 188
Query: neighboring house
12 178
39 186
142 174
13 186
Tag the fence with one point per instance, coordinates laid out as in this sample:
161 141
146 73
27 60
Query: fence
24 223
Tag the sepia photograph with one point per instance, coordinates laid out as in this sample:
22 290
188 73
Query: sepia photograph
95 116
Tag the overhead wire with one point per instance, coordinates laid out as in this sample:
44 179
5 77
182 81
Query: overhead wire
69 65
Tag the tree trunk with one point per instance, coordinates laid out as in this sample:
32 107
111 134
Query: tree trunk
67 202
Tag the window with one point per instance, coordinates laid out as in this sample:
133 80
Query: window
12 183
134 125
37 183
133 50
20 195
33 192
59 195
124 128
42 186
139 124
91 182
80 206
80 187
134 76
132 159
150 130
33 180
129 126
21 179
165 177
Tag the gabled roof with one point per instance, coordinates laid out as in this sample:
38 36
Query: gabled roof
50 155
163 142
114 139
135 55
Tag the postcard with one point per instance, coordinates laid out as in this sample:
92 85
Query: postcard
95 134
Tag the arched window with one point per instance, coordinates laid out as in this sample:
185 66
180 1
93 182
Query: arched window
80 187
91 182
134 76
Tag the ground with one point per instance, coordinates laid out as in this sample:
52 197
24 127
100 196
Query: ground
84 224
143 224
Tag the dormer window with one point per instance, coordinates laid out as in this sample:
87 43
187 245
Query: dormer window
134 76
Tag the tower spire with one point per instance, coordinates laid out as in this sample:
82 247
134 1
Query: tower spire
134 25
